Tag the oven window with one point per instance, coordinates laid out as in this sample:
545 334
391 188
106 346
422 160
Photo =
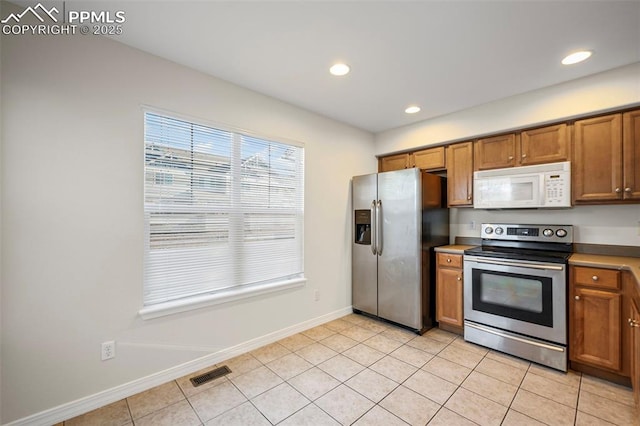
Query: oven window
522 297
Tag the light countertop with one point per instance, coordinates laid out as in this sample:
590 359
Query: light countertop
454 248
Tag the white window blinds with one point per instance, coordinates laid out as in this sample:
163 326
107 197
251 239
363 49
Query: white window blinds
223 210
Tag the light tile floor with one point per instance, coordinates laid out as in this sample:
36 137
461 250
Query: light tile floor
356 370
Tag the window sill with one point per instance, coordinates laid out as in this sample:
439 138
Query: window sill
184 305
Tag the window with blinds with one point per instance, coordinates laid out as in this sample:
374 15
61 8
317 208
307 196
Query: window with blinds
223 211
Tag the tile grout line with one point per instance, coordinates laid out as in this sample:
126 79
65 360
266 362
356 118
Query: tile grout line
189 401
575 418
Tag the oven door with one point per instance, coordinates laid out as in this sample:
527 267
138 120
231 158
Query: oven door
520 296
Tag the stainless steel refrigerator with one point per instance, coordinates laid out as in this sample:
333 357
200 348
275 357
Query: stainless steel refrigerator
398 219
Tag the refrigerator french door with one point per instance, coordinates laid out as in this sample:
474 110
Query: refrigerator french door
388 276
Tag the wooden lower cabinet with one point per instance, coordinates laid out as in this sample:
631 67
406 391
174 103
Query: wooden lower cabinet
600 337
596 335
449 288
634 323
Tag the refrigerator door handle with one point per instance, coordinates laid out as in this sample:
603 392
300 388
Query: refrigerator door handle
373 228
378 228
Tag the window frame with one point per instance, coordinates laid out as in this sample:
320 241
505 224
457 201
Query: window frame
235 292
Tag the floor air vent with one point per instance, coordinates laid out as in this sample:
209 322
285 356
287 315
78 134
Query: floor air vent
210 375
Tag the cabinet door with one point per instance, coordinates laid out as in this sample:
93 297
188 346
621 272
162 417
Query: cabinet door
631 155
544 145
449 296
595 335
393 162
460 174
495 152
597 161
429 159
634 322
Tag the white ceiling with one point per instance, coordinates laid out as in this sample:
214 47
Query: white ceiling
442 55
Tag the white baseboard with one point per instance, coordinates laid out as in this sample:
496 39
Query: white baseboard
83 405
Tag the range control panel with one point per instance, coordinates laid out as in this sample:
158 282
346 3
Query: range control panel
513 232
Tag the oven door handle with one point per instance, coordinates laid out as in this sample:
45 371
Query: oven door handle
517 339
519 264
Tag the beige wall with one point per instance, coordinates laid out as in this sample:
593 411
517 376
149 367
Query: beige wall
1 177
71 193
72 230
601 92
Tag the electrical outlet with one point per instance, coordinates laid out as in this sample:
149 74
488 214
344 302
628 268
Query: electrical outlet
316 295
108 350
472 225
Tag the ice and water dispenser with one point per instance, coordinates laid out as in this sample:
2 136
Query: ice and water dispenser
363 227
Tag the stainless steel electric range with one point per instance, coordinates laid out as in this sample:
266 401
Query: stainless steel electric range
515 291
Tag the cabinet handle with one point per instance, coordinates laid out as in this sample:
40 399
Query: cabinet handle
577 297
618 190
595 278
459 279
469 198
633 323
448 260
524 155
510 157
627 190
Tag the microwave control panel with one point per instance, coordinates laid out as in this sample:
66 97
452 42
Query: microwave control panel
556 189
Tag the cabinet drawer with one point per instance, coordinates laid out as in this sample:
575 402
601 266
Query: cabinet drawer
450 260
597 277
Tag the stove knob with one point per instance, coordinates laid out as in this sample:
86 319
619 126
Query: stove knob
499 230
548 232
561 233
488 230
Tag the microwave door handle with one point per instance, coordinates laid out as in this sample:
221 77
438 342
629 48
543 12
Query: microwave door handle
520 265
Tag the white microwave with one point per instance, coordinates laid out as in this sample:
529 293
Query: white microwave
527 187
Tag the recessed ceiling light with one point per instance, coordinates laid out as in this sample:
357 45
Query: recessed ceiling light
412 109
576 57
339 69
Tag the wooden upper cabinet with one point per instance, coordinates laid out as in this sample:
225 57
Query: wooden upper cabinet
597 159
495 152
394 162
460 174
535 146
430 159
544 145
631 155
